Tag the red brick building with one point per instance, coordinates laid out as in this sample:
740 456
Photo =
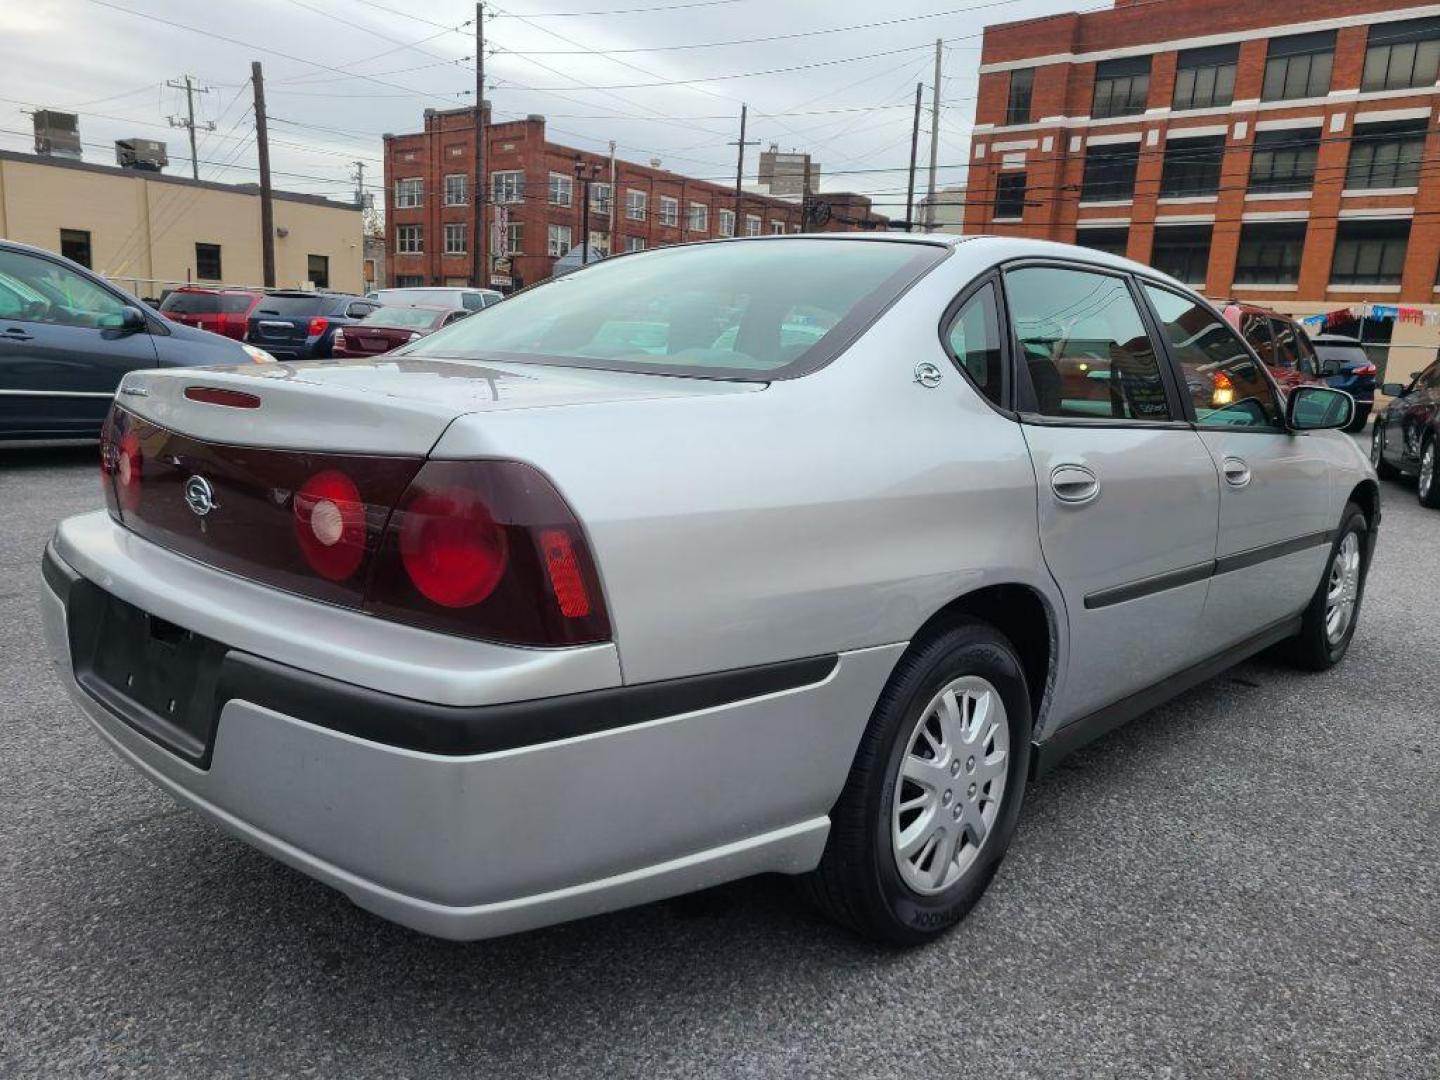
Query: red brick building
1281 153
535 201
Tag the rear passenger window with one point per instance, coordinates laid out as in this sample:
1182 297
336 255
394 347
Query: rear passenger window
1228 387
973 338
1255 329
1287 351
1084 345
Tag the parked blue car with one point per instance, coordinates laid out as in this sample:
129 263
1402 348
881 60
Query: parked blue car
67 338
301 325
1345 366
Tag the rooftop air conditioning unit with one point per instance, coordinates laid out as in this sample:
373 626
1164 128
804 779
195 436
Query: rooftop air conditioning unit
147 155
57 134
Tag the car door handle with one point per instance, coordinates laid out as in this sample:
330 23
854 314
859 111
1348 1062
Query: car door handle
15 333
1074 484
1237 473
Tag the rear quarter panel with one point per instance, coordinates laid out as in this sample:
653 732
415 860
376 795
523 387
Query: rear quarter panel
832 512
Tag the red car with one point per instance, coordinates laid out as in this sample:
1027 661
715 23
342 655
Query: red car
1279 341
221 311
390 327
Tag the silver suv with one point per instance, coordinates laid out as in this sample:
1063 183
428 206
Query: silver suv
797 554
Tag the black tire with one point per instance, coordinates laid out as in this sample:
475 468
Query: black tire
1383 469
1429 492
1312 648
1360 419
858 883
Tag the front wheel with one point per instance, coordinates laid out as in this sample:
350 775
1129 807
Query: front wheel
1383 469
931 801
1426 486
1329 622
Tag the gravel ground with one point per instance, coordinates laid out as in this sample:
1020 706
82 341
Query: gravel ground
1242 883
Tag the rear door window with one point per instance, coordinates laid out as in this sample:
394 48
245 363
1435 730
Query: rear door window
1255 329
1287 352
1084 345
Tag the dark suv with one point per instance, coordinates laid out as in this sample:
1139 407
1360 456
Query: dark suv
301 325
1407 433
1346 366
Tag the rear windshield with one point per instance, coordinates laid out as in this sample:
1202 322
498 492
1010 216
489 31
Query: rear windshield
1341 354
406 318
747 309
290 306
191 303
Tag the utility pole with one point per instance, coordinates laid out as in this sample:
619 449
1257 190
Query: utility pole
614 191
934 137
267 205
481 190
191 89
805 198
914 150
740 164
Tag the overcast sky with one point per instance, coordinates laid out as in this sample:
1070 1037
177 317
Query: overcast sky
375 64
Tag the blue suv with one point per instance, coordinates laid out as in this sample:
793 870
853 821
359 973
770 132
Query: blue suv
1345 365
301 325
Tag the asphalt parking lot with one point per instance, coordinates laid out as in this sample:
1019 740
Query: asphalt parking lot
1243 883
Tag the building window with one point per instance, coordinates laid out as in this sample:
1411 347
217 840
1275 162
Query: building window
1010 196
75 246
727 222
1121 86
508 187
409 281
207 262
317 269
1299 66
1284 160
454 238
1183 252
455 190
1402 54
515 238
1110 241
600 243
600 199
562 188
1386 155
634 243
777 228
1110 172
1205 78
752 225
558 240
699 218
1270 253
669 210
409 239
409 193
635 205
1017 104
1370 252
1192 166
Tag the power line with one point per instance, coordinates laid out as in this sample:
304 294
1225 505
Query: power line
632 11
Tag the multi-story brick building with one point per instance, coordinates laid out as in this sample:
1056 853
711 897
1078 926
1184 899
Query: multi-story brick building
535 202
1282 154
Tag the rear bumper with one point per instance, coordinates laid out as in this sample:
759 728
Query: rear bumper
468 845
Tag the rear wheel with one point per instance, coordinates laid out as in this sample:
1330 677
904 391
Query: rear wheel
930 805
1383 468
1329 622
1427 486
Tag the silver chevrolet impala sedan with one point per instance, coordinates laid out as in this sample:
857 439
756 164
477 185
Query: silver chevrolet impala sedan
798 554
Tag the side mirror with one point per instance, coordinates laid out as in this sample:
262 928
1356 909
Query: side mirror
1318 408
1393 389
130 320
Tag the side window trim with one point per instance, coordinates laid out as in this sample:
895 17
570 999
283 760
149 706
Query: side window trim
1174 360
952 312
1027 403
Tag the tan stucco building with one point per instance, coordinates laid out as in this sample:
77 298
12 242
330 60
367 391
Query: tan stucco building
146 230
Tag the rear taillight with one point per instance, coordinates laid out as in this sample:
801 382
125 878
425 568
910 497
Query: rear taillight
330 524
488 549
1363 369
317 326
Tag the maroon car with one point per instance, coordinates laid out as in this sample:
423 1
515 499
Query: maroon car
221 311
390 327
